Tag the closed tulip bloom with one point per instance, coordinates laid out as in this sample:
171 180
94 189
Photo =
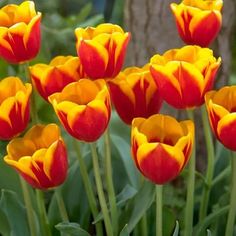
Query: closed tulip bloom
52 78
135 94
14 107
102 49
198 21
161 146
184 75
221 107
19 32
40 156
83 108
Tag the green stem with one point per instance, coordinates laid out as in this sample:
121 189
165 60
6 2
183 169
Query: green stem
61 205
42 213
210 166
109 181
144 230
33 107
159 226
101 195
190 188
29 208
88 188
232 211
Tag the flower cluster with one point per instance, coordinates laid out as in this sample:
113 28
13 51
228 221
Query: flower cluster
81 90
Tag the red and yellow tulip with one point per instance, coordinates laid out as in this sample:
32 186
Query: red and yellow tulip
14 107
52 78
19 32
102 49
198 21
184 75
40 156
135 94
161 146
221 107
83 108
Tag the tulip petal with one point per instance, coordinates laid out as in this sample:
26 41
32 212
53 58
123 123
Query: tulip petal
227 130
92 53
205 26
54 160
159 162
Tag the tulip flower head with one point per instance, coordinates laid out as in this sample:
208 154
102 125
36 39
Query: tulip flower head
52 78
221 107
14 107
40 156
135 94
184 75
198 21
19 32
83 108
102 49
161 146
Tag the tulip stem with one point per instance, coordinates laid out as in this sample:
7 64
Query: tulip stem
232 212
159 227
190 188
33 106
101 195
110 186
29 208
61 205
42 213
88 188
210 166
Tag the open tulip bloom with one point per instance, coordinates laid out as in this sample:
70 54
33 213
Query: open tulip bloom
102 49
198 21
221 107
161 146
84 108
52 78
184 75
135 94
19 32
40 156
14 107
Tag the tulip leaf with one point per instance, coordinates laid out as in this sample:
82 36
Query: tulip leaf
14 212
176 231
4 225
73 229
124 231
209 232
142 201
124 151
127 193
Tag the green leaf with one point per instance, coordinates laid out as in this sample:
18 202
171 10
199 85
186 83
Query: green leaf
124 231
73 229
142 201
92 21
209 232
15 213
4 225
176 231
124 151
127 193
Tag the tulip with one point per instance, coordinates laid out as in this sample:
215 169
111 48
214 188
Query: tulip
221 107
40 156
198 21
83 108
102 49
19 32
184 75
14 107
161 146
52 78
135 94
